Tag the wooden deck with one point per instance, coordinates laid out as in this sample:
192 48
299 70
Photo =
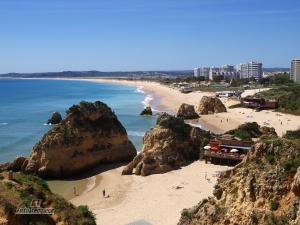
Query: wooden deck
222 157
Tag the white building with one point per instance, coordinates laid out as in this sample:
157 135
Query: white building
295 70
197 72
201 72
249 70
211 72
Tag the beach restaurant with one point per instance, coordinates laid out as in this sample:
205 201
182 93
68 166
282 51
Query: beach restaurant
259 103
226 150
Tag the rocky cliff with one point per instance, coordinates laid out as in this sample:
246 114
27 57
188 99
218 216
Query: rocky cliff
20 190
168 146
89 135
187 112
209 105
263 189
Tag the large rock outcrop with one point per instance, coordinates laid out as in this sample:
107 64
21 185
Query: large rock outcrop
187 112
210 105
168 146
263 189
89 136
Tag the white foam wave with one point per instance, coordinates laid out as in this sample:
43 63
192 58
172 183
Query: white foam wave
136 133
140 90
47 124
147 100
3 124
90 184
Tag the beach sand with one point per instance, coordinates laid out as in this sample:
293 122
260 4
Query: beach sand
218 123
157 199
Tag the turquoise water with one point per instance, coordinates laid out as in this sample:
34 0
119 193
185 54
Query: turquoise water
25 106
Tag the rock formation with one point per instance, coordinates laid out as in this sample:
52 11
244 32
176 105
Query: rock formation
55 118
211 105
146 111
187 112
89 136
250 130
168 146
17 193
263 189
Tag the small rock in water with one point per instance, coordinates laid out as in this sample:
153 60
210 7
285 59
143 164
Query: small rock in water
55 118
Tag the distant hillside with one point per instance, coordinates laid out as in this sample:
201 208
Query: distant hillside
93 73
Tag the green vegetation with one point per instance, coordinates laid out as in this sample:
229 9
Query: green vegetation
278 79
288 96
292 135
277 142
246 131
24 188
270 158
291 164
8 185
274 205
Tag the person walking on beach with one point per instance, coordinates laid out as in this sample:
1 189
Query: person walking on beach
103 193
74 190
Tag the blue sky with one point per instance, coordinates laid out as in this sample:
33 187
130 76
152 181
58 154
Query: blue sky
115 35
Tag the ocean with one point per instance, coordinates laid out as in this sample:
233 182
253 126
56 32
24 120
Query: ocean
26 105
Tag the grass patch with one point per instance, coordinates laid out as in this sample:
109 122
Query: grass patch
246 131
291 165
274 205
8 185
270 158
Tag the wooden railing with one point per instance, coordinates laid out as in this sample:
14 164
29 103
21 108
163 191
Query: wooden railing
230 156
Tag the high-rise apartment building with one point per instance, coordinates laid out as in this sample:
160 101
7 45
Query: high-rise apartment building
249 70
295 70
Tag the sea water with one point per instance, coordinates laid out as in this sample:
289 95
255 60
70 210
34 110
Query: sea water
26 105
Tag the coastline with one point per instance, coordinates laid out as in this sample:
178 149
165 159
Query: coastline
171 99
134 198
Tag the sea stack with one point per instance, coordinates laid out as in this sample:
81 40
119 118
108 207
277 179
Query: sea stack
89 136
55 118
146 111
170 145
187 112
209 105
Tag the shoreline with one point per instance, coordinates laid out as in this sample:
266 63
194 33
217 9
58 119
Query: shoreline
134 198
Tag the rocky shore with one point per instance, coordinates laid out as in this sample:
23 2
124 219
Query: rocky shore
90 135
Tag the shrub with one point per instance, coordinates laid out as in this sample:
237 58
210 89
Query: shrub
274 205
270 158
8 185
1 177
85 212
291 164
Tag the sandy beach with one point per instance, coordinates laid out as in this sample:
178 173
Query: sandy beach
157 199
171 99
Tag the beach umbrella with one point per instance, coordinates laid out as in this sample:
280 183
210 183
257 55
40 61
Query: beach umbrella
207 147
234 150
